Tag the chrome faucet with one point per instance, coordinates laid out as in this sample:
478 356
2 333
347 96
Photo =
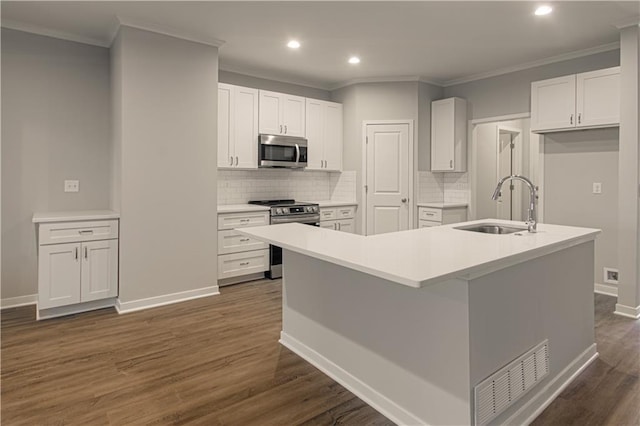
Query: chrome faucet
533 197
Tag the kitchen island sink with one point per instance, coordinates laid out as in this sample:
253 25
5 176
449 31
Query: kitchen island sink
491 228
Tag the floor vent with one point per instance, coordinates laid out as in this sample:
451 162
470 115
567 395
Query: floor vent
502 389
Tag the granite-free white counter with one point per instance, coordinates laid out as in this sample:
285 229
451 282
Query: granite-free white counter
424 256
241 208
72 216
443 206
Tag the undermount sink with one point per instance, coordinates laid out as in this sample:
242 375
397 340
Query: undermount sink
491 228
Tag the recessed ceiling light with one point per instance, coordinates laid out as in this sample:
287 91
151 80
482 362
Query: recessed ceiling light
293 44
544 10
354 60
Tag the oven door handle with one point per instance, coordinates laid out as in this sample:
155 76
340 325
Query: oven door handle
297 153
296 219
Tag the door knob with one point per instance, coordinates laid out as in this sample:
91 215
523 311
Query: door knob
404 200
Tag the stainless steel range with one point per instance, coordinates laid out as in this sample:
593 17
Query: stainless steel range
287 211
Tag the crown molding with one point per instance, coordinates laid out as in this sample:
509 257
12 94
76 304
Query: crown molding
628 23
36 29
165 30
399 79
533 64
272 77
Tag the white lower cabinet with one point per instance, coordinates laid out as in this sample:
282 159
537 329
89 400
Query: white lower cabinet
338 218
82 269
434 216
239 255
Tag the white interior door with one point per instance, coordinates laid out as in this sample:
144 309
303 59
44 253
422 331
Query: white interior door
387 178
505 163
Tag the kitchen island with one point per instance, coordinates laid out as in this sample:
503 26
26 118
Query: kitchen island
441 325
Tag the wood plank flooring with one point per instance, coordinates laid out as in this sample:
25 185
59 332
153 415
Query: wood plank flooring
217 361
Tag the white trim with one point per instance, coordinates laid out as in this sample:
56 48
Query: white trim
413 166
545 395
630 22
400 79
165 299
14 302
373 398
76 308
166 30
265 75
507 117
39 30
533 64
606 289
627 311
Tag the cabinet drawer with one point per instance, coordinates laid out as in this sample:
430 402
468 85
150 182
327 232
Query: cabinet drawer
328 214
427 223
70 232
242 220
230 241
346 212
237 264
428 213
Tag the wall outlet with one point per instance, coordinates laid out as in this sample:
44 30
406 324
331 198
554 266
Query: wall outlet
71 185
610 276
597 188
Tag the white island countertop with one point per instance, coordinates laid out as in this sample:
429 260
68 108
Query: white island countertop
425 256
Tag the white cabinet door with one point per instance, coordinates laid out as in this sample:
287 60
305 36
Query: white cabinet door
448 135
315 137
58 275
553 103
225 125
293 115
333 136
270 113
330 224
245 132
99 270
598 97
346 225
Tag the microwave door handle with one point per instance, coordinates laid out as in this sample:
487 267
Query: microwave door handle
297 153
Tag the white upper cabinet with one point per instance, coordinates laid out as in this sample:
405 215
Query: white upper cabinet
590 99
324 133
282 114
449 135
237 127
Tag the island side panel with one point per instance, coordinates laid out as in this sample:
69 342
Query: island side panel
514 309
403 350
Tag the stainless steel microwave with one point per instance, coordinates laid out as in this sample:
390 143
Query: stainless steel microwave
282 151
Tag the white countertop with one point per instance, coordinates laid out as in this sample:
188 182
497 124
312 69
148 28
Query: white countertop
239 208
423 256
71 216
330 203
443 205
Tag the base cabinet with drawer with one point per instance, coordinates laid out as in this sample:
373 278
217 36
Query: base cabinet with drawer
338 218
434 216
77 266
239 255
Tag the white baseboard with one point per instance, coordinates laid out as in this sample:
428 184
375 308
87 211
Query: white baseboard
14 302
165 299
606 289
545 395
377 401
627 311
76 308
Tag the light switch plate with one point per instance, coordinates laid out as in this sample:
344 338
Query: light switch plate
597 188
71 185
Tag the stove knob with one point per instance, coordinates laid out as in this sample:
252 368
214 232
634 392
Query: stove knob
315 209
278 210
308 209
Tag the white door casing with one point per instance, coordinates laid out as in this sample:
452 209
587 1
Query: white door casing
388 177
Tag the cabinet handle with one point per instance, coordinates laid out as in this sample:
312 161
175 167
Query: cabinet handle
281 128
339 226
244 220
231 161
86 232
244 240
236 160
76 253
285 129
579 118
86 254
244 263
430 213
451 164
571 119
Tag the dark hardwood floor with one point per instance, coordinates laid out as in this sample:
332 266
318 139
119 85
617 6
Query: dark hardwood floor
216 361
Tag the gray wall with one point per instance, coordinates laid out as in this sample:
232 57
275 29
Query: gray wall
511 93
55 126
167 108
573 162
272 85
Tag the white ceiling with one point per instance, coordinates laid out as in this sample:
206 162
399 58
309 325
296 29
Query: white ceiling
441 42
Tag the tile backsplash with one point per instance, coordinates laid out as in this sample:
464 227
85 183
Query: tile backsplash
241 186
443 187
456 188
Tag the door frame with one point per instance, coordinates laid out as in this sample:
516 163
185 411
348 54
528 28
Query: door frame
517 152
413 166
